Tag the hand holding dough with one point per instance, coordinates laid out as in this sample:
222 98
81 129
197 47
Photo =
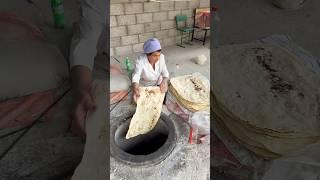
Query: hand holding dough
148 111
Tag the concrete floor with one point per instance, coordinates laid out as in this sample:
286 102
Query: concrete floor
184 57
187 161
248 20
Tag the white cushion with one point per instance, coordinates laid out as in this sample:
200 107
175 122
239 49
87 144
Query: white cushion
30 66
119 82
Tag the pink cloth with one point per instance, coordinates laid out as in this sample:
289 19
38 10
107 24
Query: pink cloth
121 95
225 161
22 111
17 28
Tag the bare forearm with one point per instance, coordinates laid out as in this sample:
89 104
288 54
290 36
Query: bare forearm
81 77
165 79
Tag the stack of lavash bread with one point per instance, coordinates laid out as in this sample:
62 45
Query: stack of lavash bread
191 91
266 97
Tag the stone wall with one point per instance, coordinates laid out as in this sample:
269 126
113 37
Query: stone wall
132 22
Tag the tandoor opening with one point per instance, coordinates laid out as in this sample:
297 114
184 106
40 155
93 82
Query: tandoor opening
143 144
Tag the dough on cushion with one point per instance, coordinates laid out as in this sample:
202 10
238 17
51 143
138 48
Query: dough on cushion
148 111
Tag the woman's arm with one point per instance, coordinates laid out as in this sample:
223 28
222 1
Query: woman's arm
165 76
164 72
136 75
82 52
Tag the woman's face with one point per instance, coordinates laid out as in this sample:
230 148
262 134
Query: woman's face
154 57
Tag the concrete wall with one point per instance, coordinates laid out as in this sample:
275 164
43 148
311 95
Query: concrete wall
132 22
258 19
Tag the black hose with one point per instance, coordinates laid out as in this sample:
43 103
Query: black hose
116 104
26 129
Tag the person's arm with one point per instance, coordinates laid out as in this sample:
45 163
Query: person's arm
88 30
165 72
82 52
165 76
136 75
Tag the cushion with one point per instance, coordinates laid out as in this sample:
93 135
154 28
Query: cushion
29 66
119 82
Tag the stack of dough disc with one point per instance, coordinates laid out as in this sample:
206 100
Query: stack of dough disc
266 97
191 91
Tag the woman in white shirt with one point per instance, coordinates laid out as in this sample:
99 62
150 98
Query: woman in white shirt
150 68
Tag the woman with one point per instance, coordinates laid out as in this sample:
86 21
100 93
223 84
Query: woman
150 68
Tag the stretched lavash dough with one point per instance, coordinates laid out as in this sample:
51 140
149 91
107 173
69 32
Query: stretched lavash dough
193 88
148 111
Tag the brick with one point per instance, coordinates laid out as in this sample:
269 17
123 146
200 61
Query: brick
144 37
151 7
172 32
136 29
151 27
127 40
188 13
204 3
161 41
118 31
119 1
167 24
169 42
138 47
166 6
116 9
144 18
178 5
161 34
134 8
173 14
113 21
123 50
126 20
194 4
160 16
139 0
114 42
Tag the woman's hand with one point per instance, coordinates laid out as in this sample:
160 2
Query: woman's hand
136 92
84 101
164 85
84 104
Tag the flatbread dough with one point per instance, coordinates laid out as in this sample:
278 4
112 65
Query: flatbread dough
148 111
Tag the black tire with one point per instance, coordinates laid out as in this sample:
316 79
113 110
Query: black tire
148 159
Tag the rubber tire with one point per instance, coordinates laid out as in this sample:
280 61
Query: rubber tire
140 160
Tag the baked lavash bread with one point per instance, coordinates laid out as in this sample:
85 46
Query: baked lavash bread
148 111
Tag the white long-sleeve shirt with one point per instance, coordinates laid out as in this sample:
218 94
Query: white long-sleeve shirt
90 33
146 75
